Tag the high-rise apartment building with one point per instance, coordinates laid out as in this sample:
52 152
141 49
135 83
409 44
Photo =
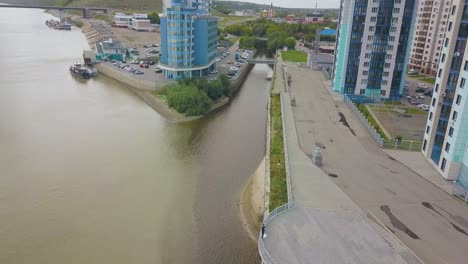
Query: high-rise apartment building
429 33
373 44
446 136
189 39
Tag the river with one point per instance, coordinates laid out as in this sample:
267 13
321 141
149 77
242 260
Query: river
90 174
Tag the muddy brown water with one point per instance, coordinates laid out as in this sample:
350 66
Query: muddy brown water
90 174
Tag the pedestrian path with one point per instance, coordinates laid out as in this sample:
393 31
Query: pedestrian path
326 226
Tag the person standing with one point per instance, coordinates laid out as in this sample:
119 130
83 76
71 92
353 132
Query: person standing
263 230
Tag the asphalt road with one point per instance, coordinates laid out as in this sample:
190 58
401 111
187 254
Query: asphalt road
427 219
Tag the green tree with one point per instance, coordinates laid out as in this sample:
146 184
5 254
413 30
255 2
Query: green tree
290 43
154 18
247 42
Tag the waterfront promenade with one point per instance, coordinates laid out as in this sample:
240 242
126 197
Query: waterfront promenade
326 226
427 219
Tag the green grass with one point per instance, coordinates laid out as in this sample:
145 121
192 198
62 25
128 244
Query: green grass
103 17
414 111
365 112
294 56
278 188
225 21
430 80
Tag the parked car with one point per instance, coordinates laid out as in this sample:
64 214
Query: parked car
214 72
420 90
158 70
138 72
151 62
145 46
428 93
146 65
421 85
154 45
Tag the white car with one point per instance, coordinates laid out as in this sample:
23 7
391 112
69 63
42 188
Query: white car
421 85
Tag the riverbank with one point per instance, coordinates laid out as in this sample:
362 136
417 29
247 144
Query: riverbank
252 202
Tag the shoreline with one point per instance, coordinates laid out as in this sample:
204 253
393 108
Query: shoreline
252 202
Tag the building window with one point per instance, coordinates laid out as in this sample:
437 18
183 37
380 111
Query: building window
443 57
390 47
369 37
459 97
454 116
462 83
449 26
444 163
440 73
362 91
373 19
365 73
436 88
384 82
447 147
391 38
387 65
424 145
385 74
430 116
428 128
388 56
364 81
366 64
371 28
453 9
367 55
433 101
446 42
383 92
465 68
451 131
374 10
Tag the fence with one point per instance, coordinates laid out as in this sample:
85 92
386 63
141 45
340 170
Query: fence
265 256
378 139
460 192
383 143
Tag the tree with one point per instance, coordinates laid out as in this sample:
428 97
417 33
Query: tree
247 42
290 43
154 18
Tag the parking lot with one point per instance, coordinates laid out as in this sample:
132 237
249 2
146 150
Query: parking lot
148 73
415 95
224 64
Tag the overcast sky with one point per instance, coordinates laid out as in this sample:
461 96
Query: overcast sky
298 3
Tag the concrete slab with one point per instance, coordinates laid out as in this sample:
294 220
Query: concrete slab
401 199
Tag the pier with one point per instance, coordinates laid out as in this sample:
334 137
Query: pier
61 8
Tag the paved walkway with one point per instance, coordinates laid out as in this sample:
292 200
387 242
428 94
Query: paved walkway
326 226
426 218
415 161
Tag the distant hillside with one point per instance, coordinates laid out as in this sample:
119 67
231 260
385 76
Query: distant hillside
239 6
136 5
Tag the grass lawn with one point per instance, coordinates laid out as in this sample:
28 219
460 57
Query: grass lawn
294 56
278 188
423 78
225 21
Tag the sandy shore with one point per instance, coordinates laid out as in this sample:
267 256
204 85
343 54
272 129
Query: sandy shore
252 202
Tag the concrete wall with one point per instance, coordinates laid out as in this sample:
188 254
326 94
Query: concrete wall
129 79
237 83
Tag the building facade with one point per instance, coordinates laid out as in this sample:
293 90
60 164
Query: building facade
446 136
373 44
429 33
189 38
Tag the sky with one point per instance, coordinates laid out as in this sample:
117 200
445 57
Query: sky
298 3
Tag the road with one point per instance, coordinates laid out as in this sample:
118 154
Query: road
427 219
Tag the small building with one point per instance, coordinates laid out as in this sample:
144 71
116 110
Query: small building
270 13
110 49
141 25
121 20
328 32
315 17
89 57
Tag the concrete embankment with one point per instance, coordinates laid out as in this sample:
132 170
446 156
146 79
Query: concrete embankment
133 81
251 201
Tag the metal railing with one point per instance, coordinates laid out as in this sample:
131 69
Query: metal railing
378 139
264 254
411 145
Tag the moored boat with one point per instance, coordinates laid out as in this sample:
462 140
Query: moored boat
81 71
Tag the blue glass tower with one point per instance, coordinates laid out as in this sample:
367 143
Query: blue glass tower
189 38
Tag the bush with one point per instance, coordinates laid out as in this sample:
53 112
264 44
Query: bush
187 99
195 96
